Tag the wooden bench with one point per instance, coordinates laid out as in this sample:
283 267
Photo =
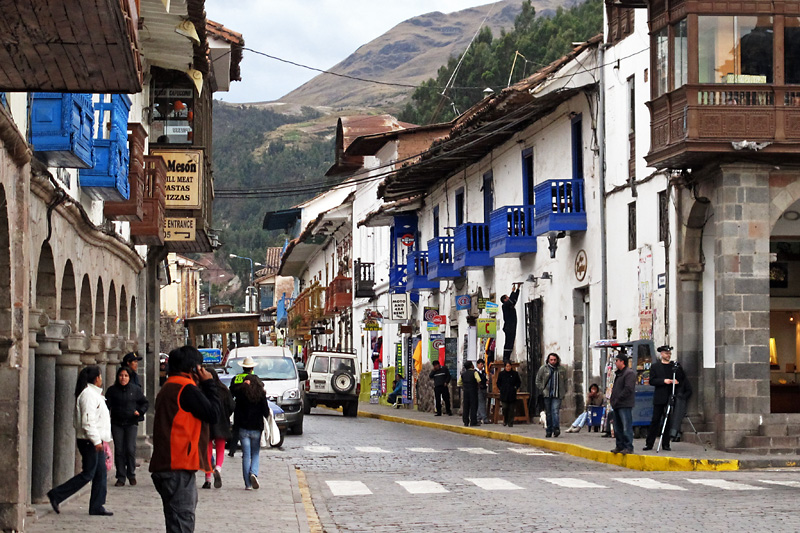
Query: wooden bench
521 414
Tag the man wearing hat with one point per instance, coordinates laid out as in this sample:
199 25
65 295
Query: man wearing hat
623 397
663 375
131 362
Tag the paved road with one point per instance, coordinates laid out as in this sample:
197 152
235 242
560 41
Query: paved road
368 475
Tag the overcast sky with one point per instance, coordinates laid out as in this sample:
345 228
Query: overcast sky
318 33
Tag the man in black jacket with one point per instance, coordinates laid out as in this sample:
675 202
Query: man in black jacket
469 383
623 398
662 376
510 321
483 388
441 382
131 362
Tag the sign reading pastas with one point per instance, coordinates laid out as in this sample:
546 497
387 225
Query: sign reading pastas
184 178
399 306
180 229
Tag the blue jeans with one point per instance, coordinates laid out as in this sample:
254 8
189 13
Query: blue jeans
552 406
93 468
581 420
251 446
623 428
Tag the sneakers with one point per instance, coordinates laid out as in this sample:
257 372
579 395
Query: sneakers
207 485
217 477
254 481
616 450
626 451
573 429
120 483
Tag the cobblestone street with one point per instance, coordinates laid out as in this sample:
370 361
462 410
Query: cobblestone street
371 475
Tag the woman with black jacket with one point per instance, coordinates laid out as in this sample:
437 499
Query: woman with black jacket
508 382
251 409
127 405
219 433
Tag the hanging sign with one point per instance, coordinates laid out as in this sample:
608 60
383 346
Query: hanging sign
440 320
407 240
430 312
398 309
184 178
491 307
463 302
372 325
487 328
482 303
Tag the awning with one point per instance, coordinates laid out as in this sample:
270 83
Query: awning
283 219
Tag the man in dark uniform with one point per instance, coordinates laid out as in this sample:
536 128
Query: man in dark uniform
469 382
510 321
441 382
661 377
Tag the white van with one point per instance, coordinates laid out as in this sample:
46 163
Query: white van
277 369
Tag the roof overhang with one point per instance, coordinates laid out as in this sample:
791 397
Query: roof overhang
494 121
175 38
69 46
283 219
384 215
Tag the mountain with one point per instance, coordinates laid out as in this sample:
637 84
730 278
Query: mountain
409 53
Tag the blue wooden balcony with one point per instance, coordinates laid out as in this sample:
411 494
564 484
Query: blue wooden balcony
511 231
418 272
559 206
108 179
397 278
440 259
61 129
471 250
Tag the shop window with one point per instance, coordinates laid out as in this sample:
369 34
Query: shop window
661 45
735 49
791 49
680 53
173 110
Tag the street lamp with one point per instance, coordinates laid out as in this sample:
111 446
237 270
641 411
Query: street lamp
249 298
234 256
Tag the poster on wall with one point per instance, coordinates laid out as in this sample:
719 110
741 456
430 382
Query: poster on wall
451 356
435 343
645 292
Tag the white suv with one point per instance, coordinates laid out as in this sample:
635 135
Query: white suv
333 381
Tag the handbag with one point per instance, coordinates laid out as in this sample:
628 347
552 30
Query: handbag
109 456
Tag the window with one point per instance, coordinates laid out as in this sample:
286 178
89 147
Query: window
320 365
735 49
680 51
342 364
173 103
663 216
632 128
460 206
527 176
488 196
436 222
632 226
577 148
661 45
791 49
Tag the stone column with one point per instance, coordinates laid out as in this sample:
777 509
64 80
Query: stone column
98 343
92 354
113 358
44 406
690 337
741 218
68 365
37 320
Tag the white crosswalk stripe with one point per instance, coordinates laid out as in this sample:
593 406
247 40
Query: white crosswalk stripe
647 483
572 483
493 483
319 449
371 449
478 451
529 451
424 450
422 487
348 488
782 483
724 485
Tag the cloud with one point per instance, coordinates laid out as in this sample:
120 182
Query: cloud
318 33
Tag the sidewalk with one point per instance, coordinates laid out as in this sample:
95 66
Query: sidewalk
276 506
684 456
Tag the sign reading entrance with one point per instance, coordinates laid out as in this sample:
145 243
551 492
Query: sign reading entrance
180 229
184 177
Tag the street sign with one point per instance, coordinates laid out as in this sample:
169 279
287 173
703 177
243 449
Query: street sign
184 177
430 312
372 325
463 302
407 239
487 327
398 309
482 303
440 320
180 229
491 307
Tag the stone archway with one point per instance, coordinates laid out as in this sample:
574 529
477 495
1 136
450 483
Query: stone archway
5 269
133 319
99 309
123 314
111 316
46 283
69 309
85 317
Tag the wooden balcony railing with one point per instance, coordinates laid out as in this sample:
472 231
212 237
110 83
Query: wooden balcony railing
338 295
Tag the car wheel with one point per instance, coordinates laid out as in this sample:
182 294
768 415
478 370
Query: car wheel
297 429
306 407
350 409
343 382
280 442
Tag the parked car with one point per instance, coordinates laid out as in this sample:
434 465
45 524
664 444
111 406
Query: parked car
281 379
280 419
333 382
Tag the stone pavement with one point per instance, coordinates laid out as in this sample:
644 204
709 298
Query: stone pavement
684 456
277 505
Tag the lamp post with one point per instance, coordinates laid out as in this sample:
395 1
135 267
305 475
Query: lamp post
249 298
251 264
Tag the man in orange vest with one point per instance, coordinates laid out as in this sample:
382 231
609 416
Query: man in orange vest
187 400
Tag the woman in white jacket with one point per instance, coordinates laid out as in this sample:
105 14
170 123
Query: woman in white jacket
92 428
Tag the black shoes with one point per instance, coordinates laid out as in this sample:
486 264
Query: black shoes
438 414
666 449
647 448
53 503
207 485
450 414
101 512
556 432
132 481
616 450
626 451
120 483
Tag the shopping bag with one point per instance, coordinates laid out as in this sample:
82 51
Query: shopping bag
109 456
274 432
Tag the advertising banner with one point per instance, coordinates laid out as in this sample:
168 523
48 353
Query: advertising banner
487 328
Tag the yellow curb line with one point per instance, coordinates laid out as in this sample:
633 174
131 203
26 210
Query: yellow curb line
314 525
632 461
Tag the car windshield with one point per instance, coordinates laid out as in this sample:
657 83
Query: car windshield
267 368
